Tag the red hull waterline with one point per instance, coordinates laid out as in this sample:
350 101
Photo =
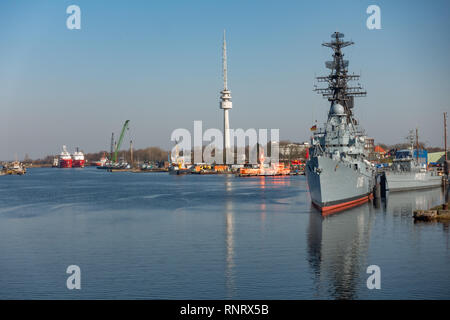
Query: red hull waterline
78 163
343 206
65 163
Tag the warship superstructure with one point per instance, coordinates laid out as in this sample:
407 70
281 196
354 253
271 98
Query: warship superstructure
339 175
409 171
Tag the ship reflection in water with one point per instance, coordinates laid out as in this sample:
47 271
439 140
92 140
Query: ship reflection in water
210 237
338 245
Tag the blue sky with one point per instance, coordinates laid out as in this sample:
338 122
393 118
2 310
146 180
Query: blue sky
158 64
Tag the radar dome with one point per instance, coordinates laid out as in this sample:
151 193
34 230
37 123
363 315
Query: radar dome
337 109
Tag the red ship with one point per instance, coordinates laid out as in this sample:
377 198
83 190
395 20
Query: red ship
65 160
78 159
102 162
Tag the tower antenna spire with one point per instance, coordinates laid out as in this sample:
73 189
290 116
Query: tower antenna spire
224 62
225 101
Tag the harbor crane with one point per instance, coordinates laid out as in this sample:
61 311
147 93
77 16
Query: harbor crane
119 143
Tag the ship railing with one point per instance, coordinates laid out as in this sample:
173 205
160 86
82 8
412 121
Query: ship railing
405 172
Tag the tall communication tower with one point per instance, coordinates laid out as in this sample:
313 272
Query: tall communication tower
225 101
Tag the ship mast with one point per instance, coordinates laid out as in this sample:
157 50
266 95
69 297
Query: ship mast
338 90
417 145
112 147
445 135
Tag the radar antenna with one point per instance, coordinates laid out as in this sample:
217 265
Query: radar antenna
338 90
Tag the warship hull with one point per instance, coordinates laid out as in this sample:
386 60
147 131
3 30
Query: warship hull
335 185
338 173
404 181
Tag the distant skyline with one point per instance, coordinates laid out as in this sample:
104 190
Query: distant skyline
158 64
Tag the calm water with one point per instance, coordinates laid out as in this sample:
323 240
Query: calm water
209 237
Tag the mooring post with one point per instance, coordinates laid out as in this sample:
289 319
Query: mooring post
383 184
445 205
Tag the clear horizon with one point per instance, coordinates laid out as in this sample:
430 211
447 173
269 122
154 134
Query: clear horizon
159 65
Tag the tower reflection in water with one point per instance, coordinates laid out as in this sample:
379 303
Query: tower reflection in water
229 221
230 228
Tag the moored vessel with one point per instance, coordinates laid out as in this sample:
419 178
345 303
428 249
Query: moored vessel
78 160
177 163
100 163
409 170
65 160
14 168
339 175
274 169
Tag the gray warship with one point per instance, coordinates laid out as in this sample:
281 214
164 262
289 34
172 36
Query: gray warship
339 175
409 170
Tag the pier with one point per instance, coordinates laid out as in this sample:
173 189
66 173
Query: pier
439 213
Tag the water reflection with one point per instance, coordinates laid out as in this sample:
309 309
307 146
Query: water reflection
404 203
280 180
338 244
229 240
337 251
262 182
218 237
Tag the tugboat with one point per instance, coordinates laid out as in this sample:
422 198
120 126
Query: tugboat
408 172
102 162
65 160
177 164
275 169
339 175
14 168
55 163
179 168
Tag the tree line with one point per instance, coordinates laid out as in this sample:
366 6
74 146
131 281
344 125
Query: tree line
158 154
141 155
